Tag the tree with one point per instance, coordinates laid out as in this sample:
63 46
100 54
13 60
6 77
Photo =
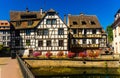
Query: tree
1 47
110 33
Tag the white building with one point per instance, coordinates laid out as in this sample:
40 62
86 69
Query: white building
43 31
116 32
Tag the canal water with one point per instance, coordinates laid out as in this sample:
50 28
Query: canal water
67 72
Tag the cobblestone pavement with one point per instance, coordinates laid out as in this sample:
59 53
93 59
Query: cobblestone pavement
9 68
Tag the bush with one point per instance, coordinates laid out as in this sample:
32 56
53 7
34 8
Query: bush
93 54
48 54
82 54
71 54
36 54
60 54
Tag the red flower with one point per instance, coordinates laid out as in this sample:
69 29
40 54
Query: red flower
71 54
48 54
36 54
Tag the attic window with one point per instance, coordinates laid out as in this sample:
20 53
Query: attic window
18 23
30 23
6 23
83 23
28 16
92 23
2 23
74 23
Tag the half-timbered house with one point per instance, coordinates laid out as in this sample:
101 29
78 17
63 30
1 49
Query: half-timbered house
43 31
85 33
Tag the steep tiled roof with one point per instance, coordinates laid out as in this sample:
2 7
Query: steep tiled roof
83 21
24 16
116 22
4 25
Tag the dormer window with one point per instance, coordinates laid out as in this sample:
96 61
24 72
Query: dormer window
84 23
18 23
92 23
51 21
6 23
30 23
2 23
75 23
28 16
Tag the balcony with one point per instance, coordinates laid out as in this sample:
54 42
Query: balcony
86 36
85 46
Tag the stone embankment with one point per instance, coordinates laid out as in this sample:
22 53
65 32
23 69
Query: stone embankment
68 63
100 62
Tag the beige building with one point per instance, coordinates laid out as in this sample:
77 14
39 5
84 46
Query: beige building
4 33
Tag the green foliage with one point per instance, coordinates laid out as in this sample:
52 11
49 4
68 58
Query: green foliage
110 33
1 47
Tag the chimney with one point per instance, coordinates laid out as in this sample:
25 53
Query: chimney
65 19
27 10
41 11
81 13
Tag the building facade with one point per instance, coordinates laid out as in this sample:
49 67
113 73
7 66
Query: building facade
43 31
85 33
4 33
116 32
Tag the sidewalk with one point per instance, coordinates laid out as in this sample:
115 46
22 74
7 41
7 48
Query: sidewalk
9 68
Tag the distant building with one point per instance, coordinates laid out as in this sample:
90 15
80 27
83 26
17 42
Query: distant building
4 33
43 31
116 32
86 33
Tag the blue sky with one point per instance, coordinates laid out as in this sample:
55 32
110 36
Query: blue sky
103 9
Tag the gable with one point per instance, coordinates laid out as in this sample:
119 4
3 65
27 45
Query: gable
52 21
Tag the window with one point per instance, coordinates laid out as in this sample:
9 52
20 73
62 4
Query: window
84 41
40 32
40 43
8 43
61 43
83 23
17 43
28 32
28 16
30 23
45 32
4 43
93 41
51 21
17 33
6 23
27 42
48 43
60 31
4 32
18 23
74 31
74 41
92 23
74 23
94 31
4 37
8 37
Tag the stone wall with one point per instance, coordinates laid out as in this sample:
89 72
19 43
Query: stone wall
69 63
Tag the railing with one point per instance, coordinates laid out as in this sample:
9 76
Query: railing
85 45
25 70
87 36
